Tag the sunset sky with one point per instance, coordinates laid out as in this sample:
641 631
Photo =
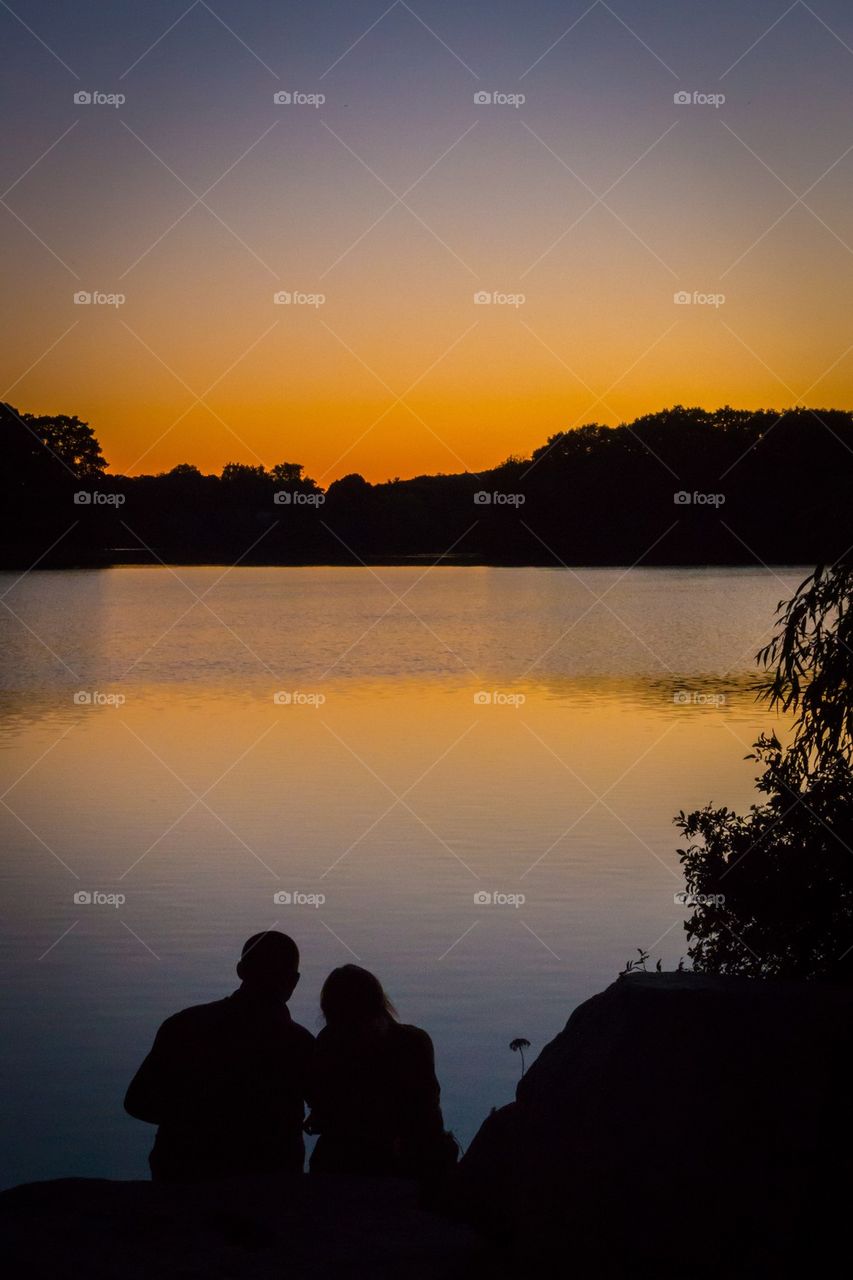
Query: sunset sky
399 198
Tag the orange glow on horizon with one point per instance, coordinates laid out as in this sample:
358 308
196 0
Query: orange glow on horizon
598 201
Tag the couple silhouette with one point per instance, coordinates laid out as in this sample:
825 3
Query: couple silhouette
227 1083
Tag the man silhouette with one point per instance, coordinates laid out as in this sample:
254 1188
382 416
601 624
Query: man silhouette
226 1082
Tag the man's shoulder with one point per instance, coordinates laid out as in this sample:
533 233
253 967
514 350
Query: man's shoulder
199 1018
196 1015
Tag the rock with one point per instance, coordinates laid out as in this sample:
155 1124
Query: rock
303 1229
679 1124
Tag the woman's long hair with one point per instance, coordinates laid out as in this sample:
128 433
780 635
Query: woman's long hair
353 997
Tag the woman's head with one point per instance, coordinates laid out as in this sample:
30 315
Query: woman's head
353 997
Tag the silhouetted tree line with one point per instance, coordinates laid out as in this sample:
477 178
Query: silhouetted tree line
752 486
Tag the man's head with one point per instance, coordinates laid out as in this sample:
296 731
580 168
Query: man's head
269 963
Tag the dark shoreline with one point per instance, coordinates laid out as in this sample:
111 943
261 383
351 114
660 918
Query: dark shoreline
426 560
679 488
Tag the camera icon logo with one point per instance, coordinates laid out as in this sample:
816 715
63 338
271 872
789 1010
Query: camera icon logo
82 298
282 898
282 699
681 697
682 98
82 698
83 898
282 298
682 498
282 498
282 98
82 97
482 699
482 98
482 298
82 498
482 498
682 298
482 898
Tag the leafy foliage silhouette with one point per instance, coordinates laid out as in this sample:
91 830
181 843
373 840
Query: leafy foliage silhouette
773 890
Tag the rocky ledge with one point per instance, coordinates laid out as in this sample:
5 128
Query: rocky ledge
303 1229
678 1125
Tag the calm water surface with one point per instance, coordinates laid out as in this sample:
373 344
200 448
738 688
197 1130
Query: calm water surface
417 749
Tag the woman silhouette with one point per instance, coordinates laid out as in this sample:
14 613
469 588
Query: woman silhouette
375 1097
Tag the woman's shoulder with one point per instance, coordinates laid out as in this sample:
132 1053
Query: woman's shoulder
414 1038
404 1038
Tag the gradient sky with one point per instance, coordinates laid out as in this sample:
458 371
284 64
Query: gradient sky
399 372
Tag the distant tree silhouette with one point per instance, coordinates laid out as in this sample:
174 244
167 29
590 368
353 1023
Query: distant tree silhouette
247 482
72 441
184 469
593 495
773 891
289 473
44 462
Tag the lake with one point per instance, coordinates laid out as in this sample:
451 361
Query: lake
462 778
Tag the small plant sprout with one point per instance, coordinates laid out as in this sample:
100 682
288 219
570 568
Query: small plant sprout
636 966
518 1046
